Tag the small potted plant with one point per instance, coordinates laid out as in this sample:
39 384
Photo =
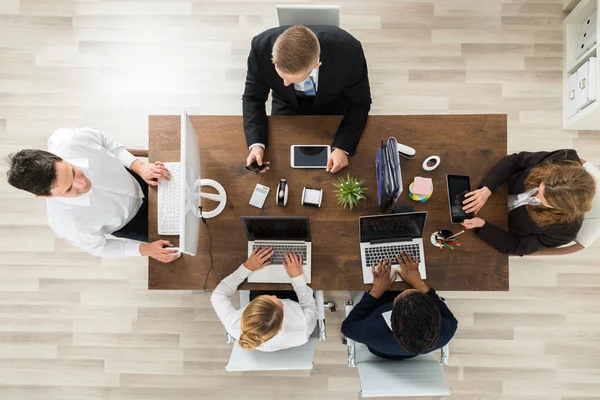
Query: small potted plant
350 191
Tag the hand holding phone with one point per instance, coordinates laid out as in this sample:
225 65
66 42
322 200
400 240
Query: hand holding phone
255 168
255 163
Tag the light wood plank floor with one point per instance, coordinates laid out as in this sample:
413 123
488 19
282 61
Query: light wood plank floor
76 327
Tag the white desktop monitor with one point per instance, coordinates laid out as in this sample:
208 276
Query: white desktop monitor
189 229
191 184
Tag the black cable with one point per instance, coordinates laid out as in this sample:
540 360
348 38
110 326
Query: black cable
209 250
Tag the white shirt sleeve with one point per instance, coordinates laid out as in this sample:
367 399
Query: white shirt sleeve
99 245
111 145
221 299
307 303
256 144
337 148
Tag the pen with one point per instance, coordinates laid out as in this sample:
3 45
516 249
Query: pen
447 245
455 235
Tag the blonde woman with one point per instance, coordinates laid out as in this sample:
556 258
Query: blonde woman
268 322
549 194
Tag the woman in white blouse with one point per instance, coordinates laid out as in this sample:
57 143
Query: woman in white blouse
267 323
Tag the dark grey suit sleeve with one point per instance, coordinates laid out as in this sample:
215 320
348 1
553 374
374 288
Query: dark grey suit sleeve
256 92
358 92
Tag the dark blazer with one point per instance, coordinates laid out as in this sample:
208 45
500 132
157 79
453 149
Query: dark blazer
365 324
523 236
342 88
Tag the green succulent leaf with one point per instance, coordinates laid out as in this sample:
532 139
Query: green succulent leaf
350 191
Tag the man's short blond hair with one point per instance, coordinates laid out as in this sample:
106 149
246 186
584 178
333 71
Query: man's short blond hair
296 50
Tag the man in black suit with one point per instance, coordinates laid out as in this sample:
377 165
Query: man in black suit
316 70
398 326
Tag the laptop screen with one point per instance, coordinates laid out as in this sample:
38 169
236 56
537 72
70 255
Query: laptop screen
277 228
392 226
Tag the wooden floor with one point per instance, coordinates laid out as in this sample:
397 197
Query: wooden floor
76 327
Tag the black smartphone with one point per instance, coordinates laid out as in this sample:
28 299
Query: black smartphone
458 187
255 168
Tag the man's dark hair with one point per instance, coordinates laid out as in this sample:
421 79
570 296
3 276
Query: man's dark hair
416 322
33 171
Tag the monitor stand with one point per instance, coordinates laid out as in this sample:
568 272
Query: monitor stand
220 197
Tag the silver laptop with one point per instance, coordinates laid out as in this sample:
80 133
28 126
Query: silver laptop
283 234
386 236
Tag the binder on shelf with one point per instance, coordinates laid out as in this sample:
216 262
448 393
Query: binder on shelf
571 96
586 40
589 21
389 174
586 83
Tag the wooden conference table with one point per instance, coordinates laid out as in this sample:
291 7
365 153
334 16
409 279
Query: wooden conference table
467 145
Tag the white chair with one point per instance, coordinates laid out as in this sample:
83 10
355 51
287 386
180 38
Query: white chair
422 375
590 229
295 358
308 15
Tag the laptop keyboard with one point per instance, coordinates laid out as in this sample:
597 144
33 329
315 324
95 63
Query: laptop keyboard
280 250
375 254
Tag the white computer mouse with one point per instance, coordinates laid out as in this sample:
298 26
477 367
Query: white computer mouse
175 248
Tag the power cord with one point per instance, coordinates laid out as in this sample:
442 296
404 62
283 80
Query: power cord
209 250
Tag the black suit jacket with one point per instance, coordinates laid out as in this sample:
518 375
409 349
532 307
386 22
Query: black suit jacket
342 88
523 236
365 324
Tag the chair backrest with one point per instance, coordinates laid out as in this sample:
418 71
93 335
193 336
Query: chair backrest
419 376
295 358
291 14
590 230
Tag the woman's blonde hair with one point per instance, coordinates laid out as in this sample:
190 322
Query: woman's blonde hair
569 190
261 320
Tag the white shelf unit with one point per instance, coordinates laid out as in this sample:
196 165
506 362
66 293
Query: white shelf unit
589 117
568 5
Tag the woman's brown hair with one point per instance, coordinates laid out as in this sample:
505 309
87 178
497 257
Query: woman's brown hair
261 320
568 189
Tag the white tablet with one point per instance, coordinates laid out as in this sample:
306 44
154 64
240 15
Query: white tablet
309 156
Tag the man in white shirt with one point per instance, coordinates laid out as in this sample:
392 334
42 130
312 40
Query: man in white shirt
93 187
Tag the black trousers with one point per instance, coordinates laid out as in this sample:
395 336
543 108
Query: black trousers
137 228
281 294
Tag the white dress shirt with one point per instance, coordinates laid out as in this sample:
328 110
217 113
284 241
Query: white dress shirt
523 199
315 77
299 320
113 200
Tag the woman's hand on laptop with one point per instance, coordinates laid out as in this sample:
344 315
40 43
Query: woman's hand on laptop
409 272
293 265
382 278
259 258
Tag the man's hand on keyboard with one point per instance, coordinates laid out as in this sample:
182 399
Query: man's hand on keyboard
151 173
159 251
293 264
409 272
259 258
382 278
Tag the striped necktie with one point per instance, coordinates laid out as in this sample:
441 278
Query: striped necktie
309 87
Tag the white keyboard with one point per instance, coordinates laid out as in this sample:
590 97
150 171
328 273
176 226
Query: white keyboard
169 201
